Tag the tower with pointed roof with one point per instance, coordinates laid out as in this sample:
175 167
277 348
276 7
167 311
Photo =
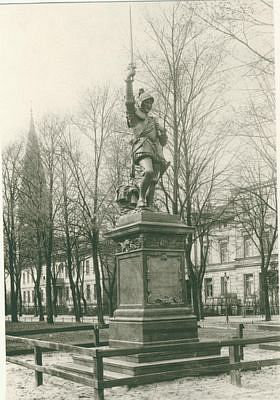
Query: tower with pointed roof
33 209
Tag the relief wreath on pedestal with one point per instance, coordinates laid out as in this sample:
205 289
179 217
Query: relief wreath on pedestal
150 241
164 279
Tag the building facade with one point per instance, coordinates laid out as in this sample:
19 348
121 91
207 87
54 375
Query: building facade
234 271
62 284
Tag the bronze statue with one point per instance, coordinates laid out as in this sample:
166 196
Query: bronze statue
148 142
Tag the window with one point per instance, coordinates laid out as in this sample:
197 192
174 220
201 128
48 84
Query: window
27 276
208 284
23 277
94 293
42 295
224 252
28 296
67 293
265 241
206 249
88 292
224 285
247 246
33 298
248 285
24 296
60 268
87 267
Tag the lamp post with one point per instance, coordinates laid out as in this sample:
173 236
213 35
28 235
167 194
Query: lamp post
226 278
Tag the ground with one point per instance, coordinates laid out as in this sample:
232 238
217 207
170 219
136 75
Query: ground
263 384
258 385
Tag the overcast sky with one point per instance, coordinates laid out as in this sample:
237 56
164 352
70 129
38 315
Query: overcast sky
51 53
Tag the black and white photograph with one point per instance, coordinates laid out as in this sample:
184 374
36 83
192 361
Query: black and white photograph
139 200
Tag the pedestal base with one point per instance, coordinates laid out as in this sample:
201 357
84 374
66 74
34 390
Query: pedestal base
151 291
152 326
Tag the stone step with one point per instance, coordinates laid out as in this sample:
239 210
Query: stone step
82 360
115 364
88 372
155 356
269 327
131 368
270 346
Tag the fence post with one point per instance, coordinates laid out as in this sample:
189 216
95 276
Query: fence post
234 357
96 334
240 335
38 361
98 376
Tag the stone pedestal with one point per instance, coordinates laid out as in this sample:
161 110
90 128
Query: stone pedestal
151 294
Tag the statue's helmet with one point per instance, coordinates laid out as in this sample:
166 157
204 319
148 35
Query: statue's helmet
142 96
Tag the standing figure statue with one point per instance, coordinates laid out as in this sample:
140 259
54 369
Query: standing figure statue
148 142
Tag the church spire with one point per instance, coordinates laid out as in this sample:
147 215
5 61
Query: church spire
32 125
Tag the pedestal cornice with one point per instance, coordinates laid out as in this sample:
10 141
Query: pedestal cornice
149 222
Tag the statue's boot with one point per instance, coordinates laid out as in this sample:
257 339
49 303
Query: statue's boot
141 203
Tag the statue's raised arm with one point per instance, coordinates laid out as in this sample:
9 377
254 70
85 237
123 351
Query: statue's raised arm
129 97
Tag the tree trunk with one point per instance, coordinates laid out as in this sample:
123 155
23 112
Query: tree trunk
54 298
266 296
36 311
6 299
78 297
84 303
74 297
110 305
14 313
19 298
195 301
94 246
39 300
195 298
201 307
49 304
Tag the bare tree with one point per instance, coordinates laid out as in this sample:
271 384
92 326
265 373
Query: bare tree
248 24
51 130
186 78
107 249
68 228
116 172
247 27
11 170
256 211
96 122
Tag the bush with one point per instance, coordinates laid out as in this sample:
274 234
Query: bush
62 310
91 311
29 310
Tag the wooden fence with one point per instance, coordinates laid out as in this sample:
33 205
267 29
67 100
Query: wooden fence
99 383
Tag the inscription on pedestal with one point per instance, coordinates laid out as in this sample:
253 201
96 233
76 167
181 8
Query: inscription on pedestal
130 281
164 279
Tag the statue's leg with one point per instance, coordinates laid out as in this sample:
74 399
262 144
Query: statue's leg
151 191
151 194
147 165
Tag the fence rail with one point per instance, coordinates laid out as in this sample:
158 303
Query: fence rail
249 309
99 383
